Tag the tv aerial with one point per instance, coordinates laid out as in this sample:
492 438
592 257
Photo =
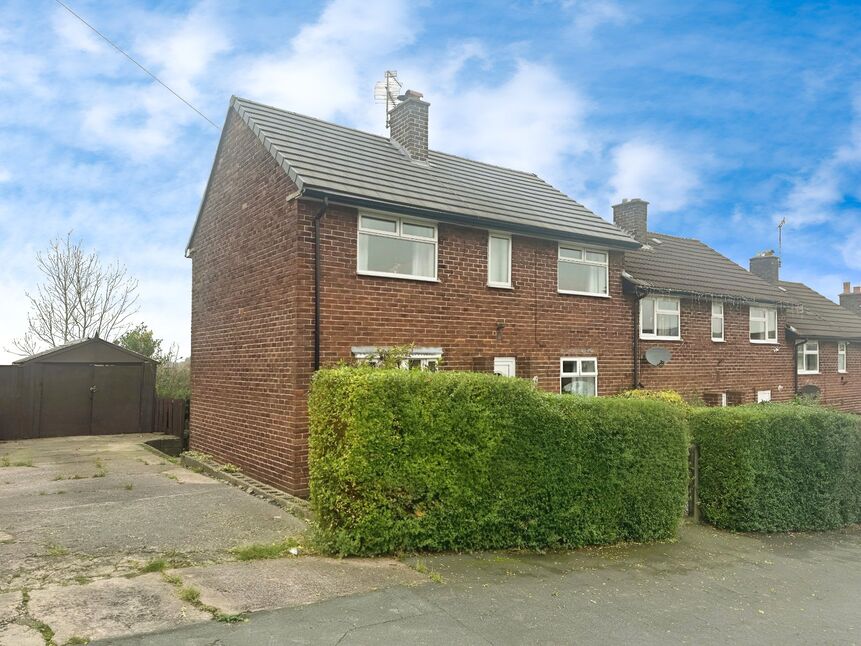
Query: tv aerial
658 356
387 92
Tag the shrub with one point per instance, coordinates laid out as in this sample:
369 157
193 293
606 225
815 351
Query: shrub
668 396
411 460
778 467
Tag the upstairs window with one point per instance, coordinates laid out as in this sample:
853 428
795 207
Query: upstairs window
717 321
763 325
808 358
398 247
841 356
498 260
579 376
660 318
582 271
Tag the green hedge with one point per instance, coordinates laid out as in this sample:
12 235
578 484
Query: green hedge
778 467
411 460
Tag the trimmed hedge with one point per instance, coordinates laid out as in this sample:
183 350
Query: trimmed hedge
778 467
411 460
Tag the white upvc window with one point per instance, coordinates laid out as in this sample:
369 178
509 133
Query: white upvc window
498 260
660 318
418 358
397 247
582 271
717 321
763 325
842 348
578 376
808 358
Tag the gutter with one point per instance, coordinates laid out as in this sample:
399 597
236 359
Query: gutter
318 271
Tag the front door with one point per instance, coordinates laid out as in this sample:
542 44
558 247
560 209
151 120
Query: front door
504 366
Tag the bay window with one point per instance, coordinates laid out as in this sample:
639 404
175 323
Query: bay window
397 247
581 271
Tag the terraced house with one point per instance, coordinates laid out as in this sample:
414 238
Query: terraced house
317 243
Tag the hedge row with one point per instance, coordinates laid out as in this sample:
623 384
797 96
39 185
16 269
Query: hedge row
778 467
411 460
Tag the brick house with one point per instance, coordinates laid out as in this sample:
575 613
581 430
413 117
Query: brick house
317 243
826 338
723 326
478 267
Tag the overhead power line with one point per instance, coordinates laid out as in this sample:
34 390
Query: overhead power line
128 56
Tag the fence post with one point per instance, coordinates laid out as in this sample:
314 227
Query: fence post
694 482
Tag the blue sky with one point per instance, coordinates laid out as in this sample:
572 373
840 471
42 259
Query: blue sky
725 116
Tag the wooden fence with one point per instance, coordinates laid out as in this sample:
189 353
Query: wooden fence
170 416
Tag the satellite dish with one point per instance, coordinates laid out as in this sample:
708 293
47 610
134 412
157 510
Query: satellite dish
658 356
809 391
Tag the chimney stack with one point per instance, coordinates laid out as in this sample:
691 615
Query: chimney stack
408 125
766 265
851 298
632 216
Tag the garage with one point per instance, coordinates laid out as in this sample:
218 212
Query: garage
90 387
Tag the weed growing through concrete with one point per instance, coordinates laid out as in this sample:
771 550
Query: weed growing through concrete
56 550
59 477
257 551
190 594
171 476
156 565
75 640
128 486
230 468
80 579
433 575
100 473
5 461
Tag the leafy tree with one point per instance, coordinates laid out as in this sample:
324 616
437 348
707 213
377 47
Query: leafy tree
78 298
142 340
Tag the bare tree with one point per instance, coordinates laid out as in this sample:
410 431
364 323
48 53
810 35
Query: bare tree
79 298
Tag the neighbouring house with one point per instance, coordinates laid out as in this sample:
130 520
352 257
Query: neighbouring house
317 243
826 339
724 326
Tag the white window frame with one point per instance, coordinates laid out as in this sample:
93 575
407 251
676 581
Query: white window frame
502 236
504 363
579 372
802 351
764 318
721 317
655 336
425 356
843 356
400 221
763 396
583 261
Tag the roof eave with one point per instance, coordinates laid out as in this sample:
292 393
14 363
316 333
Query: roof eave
671 291
468 220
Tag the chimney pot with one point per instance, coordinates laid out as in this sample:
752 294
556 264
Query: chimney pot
408 125
633 216
847 287
851 297
858 289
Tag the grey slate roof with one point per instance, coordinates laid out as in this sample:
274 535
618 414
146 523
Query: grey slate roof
327 159
820 317
689 267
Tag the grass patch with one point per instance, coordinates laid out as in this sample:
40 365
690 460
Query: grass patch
156 565
190 594
101 473
6 461
225 618
56 550
74 640
230 468
128 486
80 579
257 551
59 477
171 476
173 579
422 568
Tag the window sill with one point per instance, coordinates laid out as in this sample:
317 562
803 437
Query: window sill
842 372
718 340
593 295
763 342
661 338
380 274
809 373
491 285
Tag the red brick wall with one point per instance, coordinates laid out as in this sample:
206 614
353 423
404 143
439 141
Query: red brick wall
700 365
840 390
243 315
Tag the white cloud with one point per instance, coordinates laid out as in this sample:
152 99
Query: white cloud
851 249
73 33
589 15
815 197
654 172
330 66
5 175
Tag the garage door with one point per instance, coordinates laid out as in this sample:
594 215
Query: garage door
86 399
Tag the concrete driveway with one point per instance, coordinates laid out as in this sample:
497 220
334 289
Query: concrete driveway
101 538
